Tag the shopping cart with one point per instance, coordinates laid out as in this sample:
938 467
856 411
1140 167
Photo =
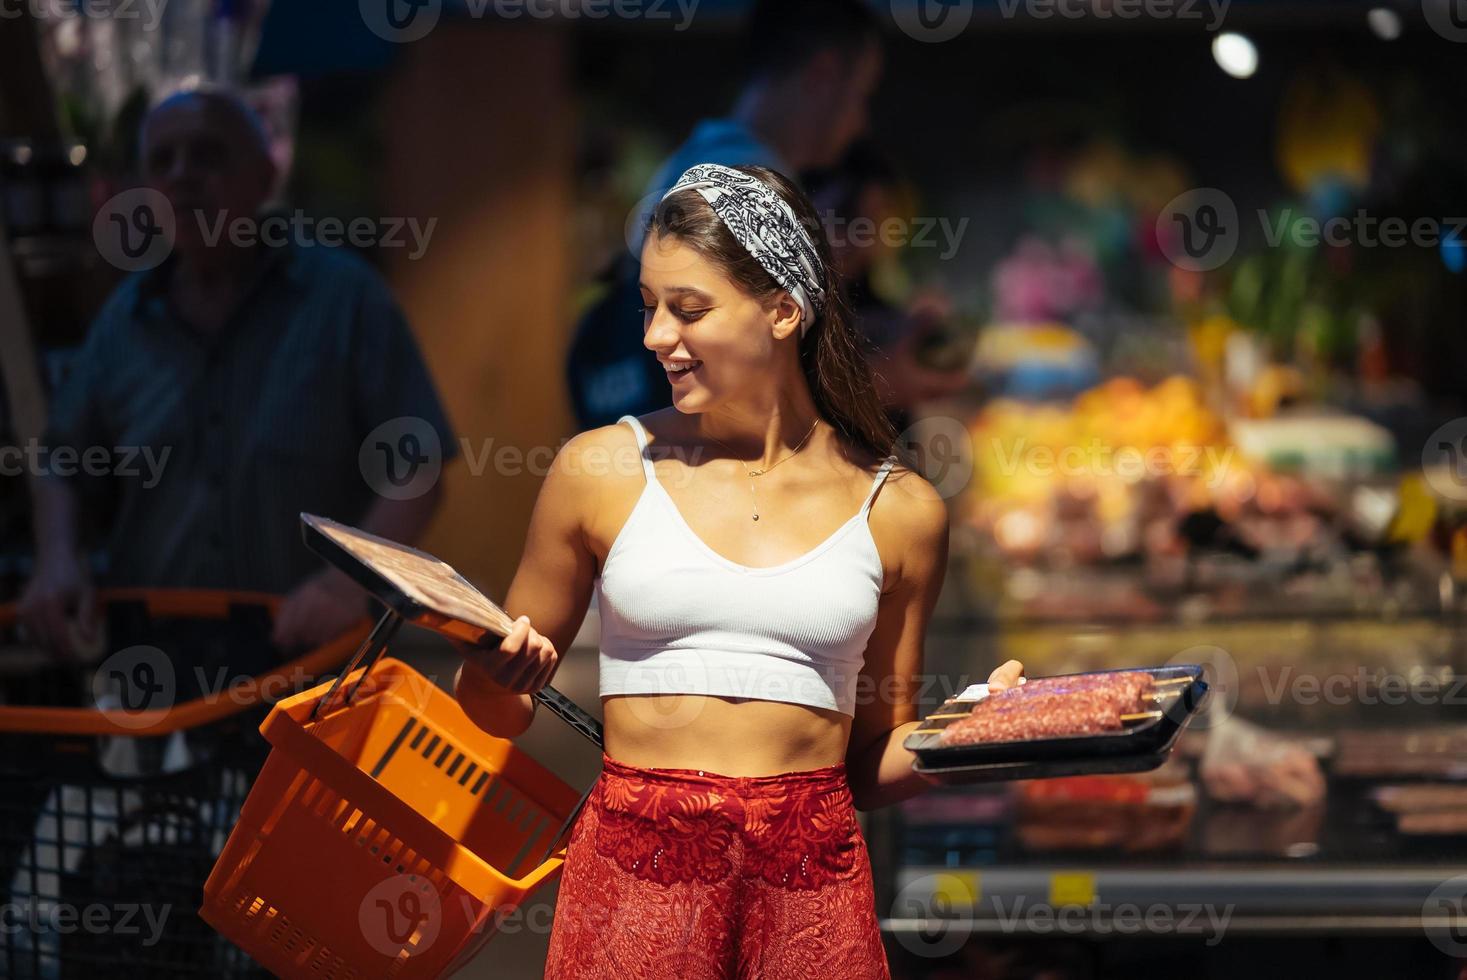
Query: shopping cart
387 836
119 782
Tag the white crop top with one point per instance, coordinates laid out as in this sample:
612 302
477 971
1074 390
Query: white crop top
679 618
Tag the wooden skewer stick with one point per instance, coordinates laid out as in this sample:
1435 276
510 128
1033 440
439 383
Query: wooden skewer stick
1141 716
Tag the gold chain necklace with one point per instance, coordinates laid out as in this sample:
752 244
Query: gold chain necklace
754 473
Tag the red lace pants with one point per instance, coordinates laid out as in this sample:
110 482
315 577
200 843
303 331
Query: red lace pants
679 874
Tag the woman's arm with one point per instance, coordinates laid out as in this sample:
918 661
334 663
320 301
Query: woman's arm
552 587
879 769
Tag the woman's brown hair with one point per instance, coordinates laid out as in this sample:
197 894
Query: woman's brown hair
831 352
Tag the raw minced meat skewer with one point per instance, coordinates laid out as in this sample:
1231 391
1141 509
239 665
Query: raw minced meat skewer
1046 707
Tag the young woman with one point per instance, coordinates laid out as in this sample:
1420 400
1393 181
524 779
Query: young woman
763 605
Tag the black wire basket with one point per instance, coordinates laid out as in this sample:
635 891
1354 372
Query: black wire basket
113 809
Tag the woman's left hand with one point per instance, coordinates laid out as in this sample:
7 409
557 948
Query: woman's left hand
1005 676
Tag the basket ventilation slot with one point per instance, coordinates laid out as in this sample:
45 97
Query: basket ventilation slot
445 756
290 939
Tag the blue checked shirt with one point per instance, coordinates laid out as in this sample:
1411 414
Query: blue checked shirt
219 442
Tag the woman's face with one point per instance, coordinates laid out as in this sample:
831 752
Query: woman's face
693 314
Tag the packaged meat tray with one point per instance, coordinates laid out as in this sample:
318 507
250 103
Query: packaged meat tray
1108 721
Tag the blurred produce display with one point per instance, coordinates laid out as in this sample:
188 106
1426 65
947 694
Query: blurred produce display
1127 470
1128 497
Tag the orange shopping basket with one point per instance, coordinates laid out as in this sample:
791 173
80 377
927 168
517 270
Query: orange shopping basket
120 781
387 835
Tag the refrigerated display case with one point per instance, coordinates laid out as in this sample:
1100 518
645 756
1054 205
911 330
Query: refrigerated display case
1375 693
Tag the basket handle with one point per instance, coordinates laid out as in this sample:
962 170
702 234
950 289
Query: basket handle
567 710
371 649
572 714
576 717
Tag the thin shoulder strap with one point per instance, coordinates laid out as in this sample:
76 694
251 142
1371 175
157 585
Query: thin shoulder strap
636 425
876 484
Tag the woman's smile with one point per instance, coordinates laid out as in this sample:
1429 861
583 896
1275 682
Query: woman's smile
680 372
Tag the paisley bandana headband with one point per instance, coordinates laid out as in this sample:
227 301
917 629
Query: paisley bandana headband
766 226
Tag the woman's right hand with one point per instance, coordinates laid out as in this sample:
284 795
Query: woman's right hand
522 663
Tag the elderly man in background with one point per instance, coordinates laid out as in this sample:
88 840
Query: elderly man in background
253 371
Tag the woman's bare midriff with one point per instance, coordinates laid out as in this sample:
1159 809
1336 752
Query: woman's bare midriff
722 735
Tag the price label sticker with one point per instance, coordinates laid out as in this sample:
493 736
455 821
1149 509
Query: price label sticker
1071 888
957 889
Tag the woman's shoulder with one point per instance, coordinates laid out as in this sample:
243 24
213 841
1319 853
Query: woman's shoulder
907 503
587 458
